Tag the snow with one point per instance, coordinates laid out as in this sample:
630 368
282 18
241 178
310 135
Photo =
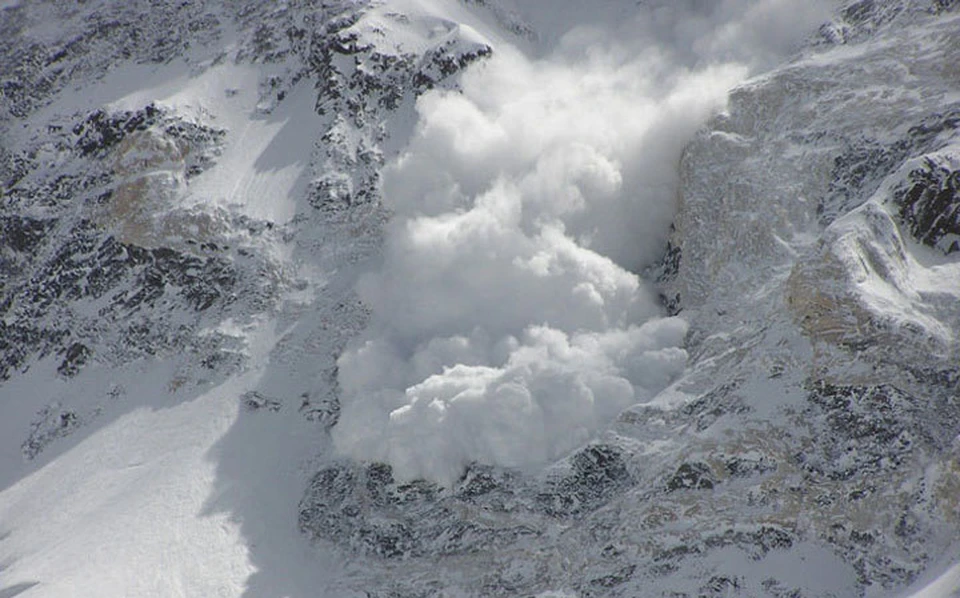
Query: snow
510 325
264 165
74 516
943 583
524 205
175 495
167 487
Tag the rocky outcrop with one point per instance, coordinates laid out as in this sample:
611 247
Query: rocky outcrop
929 201
815 243
816 416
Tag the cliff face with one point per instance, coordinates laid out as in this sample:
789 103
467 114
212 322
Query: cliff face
820 283
190 194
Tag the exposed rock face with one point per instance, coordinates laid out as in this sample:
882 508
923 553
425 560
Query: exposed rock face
150 167
929 201
97 237
89 41
821 245
859 292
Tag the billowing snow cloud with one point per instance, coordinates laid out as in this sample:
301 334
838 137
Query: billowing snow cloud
509 323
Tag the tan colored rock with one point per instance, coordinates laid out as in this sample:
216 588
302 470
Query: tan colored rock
144 209
855 290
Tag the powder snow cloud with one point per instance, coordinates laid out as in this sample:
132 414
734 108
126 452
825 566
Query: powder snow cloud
509 322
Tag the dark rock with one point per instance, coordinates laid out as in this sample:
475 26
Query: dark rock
927 134
666 271
867 434
929 206
669 263
20 340
480 481
52 423
324 410
366 510
101 131
444 61
742 467
866 430
23 234
857 174
589 478
945 5
864 163
709 408
720 585
76 356
256 401
617 578
692 476
776 589
756 543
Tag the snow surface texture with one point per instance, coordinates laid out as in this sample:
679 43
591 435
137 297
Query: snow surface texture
208 211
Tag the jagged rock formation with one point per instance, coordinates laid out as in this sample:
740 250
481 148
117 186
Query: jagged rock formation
815 194
104 261
820 409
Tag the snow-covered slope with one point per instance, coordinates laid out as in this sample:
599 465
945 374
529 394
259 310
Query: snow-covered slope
813 258
181 223
384 299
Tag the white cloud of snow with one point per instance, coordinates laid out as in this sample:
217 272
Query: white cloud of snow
509 324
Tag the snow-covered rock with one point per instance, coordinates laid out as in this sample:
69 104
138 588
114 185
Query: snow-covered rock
190 192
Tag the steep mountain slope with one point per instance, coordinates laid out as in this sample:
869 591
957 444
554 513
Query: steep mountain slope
181 219
210 213
815 262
